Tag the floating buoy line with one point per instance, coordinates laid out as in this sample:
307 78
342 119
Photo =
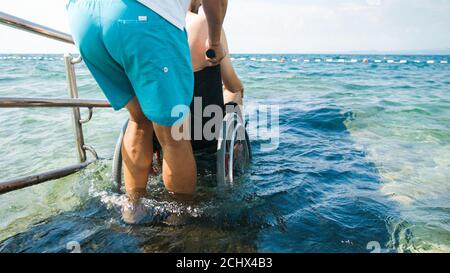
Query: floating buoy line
31 58
338 60
273 60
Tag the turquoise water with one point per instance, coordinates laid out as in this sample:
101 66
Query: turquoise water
364 156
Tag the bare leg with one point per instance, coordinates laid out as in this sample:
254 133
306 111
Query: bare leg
229 96
179 167
137 151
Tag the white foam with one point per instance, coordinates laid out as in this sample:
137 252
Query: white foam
353 60
242 59
417 61
341 61
232 59
156 207
274 60
263 60
294 60
430 62
378 61
444 62
252 59
390 61
318 60
403 62
329 60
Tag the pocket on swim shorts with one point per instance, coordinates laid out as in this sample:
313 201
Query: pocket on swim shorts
157 62
140 42
156 86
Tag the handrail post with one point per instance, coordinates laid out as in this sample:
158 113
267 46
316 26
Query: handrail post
69 62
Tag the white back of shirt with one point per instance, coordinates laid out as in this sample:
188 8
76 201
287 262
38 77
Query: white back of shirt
173 11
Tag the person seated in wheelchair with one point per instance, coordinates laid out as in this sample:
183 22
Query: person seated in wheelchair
213 85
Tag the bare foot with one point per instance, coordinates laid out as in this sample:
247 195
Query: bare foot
134 211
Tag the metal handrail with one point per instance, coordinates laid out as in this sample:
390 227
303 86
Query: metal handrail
32 180
19 23
74 102
7 102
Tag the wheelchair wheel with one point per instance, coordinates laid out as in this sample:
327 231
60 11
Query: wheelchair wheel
117 164
232 159
117 176
233 150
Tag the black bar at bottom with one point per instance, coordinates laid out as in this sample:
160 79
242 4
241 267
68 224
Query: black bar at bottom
267 262
28 181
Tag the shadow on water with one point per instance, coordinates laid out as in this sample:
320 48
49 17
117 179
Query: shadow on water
315 193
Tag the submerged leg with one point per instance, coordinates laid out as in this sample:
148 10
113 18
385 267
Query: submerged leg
179 167
137 151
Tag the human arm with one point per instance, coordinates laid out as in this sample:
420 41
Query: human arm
215 11
231 81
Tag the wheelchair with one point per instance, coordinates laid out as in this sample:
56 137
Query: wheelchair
233 152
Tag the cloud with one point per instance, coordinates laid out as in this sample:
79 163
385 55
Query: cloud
285 26
332 26
51 13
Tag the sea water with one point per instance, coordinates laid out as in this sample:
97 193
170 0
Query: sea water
362 164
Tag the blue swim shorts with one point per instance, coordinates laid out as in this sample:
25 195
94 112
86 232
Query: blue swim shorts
132 51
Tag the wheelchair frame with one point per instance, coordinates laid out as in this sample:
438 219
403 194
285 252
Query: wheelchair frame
233 136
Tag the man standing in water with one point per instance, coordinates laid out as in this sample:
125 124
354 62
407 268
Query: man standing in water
137 51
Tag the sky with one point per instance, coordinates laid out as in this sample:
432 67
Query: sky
280 26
